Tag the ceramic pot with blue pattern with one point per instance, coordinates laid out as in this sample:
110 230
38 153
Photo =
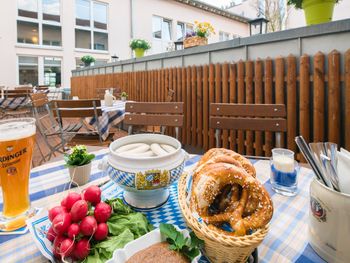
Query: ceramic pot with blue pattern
145 180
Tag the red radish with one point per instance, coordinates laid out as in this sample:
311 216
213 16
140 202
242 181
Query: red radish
88 226
56 246
93 194
79 210
73 230
64 202
101 232
82 249
61 223
51 235
53 212
71 199
67 247
102 212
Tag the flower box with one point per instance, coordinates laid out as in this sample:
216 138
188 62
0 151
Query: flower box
195 41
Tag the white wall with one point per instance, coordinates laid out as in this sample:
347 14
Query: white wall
119 33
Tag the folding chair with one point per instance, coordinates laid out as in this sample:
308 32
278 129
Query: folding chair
49 128
81 109
163 114
249 117
16 103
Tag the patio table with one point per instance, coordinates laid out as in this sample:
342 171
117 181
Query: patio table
111 116
287 240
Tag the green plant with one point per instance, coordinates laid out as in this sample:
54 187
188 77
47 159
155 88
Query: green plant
298 3
124 94
78 156
139 43
87 59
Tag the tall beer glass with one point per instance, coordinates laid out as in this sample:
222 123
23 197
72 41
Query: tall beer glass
17 137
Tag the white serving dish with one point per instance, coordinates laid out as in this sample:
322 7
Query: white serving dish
145 180
151 238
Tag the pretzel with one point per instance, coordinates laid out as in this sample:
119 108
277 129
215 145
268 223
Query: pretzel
229 180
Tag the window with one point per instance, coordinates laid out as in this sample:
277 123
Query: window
223 36
51 35
91 25
28 70
39 70
28 8
162 34
182 30
27 32
39 26
51 10
52 71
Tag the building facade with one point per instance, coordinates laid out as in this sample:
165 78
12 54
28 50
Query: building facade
42 41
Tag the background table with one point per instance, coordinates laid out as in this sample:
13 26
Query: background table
287 240
111 116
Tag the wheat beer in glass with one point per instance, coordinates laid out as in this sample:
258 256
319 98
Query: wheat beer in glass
17 138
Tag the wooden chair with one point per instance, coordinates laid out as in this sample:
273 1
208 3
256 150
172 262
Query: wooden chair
161 114
81 109
18 103
20 92
251 117
49 127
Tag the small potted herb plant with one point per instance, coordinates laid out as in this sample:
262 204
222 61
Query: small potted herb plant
316 11
78 162
139 46
123 96
88 60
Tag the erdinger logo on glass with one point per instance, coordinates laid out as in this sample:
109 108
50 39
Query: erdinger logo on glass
11 158
317 210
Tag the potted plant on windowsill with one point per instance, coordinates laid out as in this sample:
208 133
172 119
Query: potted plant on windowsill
139 46
316 11
78 162
87 60
200 35
123 96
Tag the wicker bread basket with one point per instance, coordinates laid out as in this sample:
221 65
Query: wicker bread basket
218 247
195 41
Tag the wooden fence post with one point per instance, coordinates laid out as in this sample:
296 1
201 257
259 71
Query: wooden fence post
225 99
291 102
249 67
233 99
279 87
318 98
258 81
268 100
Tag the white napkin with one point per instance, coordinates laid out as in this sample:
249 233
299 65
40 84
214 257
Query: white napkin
344 171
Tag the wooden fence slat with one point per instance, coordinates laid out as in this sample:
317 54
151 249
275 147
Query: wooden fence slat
179 93
318 98
199 107
184 99
188 105
211 100
225 99
233 99
194 105
279 87
240 97
249 67
218 93
291 102
334 102
268 95
205 107
304 97
258 94
347 99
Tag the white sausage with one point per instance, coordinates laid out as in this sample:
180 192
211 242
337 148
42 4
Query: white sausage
168 148
144 154
157 150
128 147
139 149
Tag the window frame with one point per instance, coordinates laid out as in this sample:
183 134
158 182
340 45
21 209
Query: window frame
162 22
40 21
40 66
186 25
91 28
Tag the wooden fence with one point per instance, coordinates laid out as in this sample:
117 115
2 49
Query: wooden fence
315 90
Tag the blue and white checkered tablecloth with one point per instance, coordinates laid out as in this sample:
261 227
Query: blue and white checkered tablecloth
287 240
111 116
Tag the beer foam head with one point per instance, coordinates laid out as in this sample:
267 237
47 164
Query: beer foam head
14 129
